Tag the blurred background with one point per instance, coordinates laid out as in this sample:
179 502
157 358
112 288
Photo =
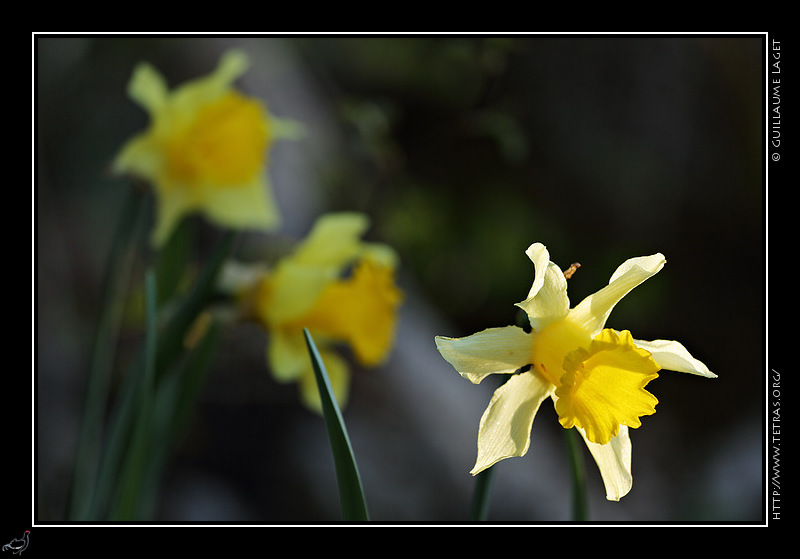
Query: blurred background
463 151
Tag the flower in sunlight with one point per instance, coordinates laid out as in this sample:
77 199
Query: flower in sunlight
205 149
595 376
339 287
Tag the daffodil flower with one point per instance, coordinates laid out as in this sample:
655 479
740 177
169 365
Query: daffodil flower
205 149
595 376
339 287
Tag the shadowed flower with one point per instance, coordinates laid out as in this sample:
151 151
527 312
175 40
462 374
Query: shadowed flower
595 376
340 288
205 149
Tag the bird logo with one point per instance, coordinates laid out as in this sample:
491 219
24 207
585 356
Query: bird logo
17 546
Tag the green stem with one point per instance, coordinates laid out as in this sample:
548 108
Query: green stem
87 454
130 481
580 507
479 508
167 349
175 401
192 306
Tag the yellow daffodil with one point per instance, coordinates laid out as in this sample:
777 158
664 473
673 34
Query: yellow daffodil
340 288
595 376
205 149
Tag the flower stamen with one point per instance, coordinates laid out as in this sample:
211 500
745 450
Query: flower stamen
572 269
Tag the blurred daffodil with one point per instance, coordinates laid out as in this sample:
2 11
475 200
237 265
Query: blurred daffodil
343 290
595 376
205 149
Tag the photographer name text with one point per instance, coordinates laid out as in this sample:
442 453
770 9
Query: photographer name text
775 112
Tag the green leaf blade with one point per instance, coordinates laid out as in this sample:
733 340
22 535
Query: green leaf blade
351 494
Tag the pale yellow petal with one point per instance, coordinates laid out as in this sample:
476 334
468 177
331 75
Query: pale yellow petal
295 290
492 351
592 313
287 355
547 299
673 356
140 156
171 208
148 88
285 129
505 428
381 254
246 206
190 96
232 64
614 461
299 279
334 240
